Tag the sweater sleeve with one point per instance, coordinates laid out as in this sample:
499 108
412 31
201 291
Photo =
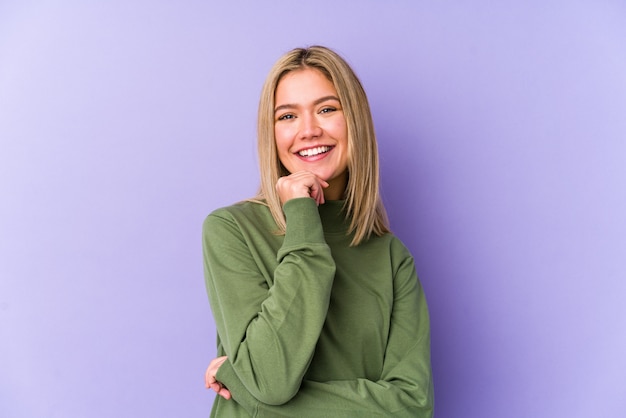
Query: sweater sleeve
405 386
258 322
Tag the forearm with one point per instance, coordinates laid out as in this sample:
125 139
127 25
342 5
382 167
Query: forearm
358 398
404 388
279 343
269 332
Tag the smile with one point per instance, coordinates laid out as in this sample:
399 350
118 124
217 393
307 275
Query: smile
311 152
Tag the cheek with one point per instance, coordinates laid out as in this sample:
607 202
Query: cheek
281 140
339 129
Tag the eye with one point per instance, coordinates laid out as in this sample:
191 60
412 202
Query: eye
286 116
328 109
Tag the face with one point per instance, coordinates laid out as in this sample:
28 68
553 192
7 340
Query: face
310 128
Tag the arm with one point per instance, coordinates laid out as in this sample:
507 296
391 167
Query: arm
258 322
405 385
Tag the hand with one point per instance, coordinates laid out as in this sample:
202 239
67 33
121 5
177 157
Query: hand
211 382
301 184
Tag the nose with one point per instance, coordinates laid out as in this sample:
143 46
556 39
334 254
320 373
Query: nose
310 127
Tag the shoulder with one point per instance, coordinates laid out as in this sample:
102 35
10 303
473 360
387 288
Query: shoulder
398 246
390 241
237 209
398 252
239 215
386 248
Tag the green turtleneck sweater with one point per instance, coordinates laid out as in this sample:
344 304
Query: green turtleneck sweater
311 326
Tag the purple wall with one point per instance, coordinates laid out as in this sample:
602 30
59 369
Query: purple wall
503 139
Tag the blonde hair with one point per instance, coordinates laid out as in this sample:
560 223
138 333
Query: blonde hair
363 204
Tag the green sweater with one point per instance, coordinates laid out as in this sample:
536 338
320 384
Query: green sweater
311 326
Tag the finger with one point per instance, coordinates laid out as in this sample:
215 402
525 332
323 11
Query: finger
208 378
319 196
211 371
216 387
321 193
224 393
301 184
318 193
314 189
221 390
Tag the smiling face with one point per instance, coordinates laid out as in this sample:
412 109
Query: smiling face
310 128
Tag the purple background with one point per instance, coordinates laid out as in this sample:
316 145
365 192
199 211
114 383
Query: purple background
502 130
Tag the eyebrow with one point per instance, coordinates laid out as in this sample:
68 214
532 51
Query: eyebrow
315 103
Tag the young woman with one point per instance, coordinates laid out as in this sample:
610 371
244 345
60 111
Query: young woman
318 308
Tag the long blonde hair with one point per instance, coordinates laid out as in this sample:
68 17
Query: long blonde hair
363 205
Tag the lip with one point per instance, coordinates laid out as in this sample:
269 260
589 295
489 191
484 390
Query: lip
313 158
314 146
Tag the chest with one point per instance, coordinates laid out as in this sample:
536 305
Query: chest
353 341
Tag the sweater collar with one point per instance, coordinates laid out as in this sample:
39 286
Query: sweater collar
333 216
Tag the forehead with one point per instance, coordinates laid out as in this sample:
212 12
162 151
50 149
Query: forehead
304 83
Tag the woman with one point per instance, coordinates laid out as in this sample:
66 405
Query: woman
318 308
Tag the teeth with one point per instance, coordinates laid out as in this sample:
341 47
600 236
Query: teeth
313 151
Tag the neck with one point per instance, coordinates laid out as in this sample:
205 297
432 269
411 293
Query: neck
336 187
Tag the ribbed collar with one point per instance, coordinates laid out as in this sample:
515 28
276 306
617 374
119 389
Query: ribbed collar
334 217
